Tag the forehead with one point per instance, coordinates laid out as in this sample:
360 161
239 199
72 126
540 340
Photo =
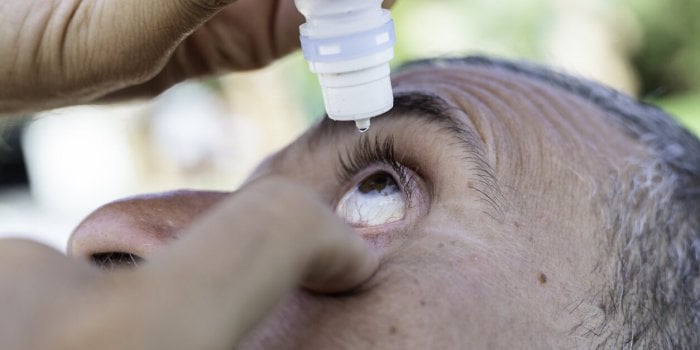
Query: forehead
524 128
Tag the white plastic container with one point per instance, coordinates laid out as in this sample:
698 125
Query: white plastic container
348 44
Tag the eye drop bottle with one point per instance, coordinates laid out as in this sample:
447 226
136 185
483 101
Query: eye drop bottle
348 44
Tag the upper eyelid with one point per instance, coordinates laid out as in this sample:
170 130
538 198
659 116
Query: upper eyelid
370 151
365 152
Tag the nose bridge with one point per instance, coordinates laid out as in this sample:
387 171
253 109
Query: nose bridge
139 225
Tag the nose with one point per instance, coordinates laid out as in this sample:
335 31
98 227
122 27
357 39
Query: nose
132 229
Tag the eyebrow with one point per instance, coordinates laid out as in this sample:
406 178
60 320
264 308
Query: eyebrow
433 110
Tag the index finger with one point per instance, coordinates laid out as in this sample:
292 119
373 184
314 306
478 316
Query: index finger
242 258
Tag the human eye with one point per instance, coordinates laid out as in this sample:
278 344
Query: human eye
380 188
375 200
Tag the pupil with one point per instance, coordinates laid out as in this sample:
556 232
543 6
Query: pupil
377 182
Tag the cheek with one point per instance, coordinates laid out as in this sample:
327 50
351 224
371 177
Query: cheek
436 290
442 287
471 268
405 306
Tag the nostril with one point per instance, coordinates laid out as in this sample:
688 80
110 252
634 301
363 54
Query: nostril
114 260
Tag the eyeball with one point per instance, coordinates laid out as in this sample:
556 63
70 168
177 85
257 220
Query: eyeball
376 200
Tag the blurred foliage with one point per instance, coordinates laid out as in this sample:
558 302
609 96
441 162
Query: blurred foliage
668 62
686 109
669 57
306 86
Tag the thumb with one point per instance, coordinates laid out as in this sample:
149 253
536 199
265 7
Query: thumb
119 43
340 264
73 51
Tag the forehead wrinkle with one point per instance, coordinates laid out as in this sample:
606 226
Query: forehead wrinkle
503 101
554 106
569 139
482 106
575 93
499 90
551 118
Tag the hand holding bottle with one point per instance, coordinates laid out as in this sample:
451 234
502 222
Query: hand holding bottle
64 52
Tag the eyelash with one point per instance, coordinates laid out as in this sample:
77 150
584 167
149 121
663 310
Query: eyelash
368 152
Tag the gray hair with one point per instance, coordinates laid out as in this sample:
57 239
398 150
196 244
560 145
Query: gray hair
651 216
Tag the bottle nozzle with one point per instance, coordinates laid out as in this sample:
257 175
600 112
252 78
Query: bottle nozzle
362 124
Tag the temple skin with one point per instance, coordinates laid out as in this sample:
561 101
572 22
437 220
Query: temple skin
501 244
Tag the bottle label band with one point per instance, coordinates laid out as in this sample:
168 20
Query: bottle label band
349 46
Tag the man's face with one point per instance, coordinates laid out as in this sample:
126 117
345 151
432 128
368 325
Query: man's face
478 191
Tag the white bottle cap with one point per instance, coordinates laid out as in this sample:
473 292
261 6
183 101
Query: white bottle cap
356 95
353 67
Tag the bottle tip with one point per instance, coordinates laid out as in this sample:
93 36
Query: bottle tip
362 124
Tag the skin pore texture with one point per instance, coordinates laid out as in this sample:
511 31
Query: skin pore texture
503 241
